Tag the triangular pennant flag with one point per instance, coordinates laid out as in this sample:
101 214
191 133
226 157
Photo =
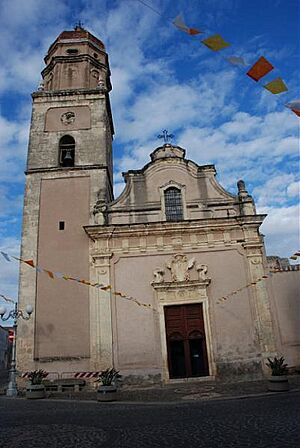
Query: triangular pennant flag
194 31
5 255
276 86
260 69
296 112
50 273
179 23
215 42
236 60
59 274
38 269
294 106
29 262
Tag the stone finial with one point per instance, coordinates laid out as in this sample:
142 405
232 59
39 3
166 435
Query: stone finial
247 206
179 267
242 188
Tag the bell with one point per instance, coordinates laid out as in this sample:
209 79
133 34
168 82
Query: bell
68 159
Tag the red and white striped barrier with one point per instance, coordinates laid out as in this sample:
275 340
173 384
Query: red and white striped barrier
66 374
26 374
86 374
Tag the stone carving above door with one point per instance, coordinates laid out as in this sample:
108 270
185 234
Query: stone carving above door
180 267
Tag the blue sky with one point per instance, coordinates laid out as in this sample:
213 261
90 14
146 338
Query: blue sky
164 78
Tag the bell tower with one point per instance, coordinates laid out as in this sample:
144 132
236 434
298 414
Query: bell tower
69 171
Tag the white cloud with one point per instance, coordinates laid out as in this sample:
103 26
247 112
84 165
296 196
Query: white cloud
293 189
282 230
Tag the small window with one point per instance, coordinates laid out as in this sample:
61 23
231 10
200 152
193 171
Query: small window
72 51
96 56
61 225
67 151
173 204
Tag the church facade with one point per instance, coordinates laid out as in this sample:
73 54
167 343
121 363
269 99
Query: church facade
158 260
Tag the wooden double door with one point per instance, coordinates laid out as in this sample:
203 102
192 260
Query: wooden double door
186 343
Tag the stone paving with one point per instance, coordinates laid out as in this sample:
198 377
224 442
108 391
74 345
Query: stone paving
258 422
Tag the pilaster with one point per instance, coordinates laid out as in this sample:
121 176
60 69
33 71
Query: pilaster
100 314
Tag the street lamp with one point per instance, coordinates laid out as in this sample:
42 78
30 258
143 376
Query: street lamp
14 314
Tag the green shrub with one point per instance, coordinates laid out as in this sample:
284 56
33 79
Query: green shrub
37 376
277 366
108 376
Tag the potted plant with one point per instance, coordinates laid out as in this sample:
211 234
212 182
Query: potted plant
107 390
278 381
35 388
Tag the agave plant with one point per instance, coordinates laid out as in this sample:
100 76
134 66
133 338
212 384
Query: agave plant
108 376
277 366
37 376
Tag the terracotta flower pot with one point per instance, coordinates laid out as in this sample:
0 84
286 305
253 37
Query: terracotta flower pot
107 393
34 391
278 383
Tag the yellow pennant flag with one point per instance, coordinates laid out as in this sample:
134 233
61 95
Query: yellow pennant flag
276 86
215 42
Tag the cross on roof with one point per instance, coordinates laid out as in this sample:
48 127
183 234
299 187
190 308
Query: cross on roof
167 137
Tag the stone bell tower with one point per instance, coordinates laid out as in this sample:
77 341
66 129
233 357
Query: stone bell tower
69 171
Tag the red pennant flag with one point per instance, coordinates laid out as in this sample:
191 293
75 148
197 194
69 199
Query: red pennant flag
260 69
50 274
296 112
29 262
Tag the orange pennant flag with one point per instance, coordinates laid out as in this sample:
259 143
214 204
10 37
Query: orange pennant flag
29 262
50 273
260 69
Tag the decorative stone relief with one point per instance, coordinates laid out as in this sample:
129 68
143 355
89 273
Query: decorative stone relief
202 271
67 118
159 275
179 266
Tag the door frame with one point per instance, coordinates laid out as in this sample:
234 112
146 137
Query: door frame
184 293
186 344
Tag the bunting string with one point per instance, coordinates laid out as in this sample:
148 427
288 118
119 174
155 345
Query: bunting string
216 43
7 299
61 275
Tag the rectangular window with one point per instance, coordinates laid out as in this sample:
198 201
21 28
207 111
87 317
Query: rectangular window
173 204
61 225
